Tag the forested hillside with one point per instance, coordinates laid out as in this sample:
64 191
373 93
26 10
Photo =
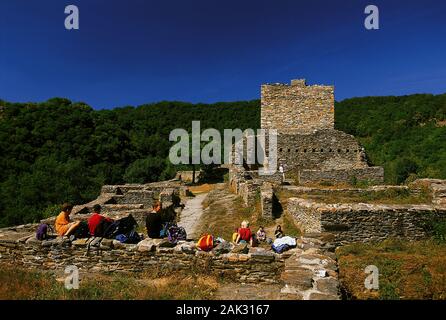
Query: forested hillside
406 135
60 151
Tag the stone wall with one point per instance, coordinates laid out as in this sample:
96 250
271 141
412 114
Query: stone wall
364 222
249 190
322 150
118 201
375 174
267 200
435 186
112 256
304 119
187 176
297 108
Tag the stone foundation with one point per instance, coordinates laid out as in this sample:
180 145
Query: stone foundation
118 201
267 200
365 222
112 256
374 174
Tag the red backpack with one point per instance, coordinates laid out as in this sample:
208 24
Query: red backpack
206 242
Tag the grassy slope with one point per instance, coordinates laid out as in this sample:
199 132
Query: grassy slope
407 270
20 284
406 135
223 218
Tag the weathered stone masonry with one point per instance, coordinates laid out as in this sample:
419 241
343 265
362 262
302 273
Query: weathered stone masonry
112 256
297 108
304 119
362 222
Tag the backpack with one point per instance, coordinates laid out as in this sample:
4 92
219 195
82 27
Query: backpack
82 231
176 234
281 248
100 229
121 226
131 238
42 231
164 232
206 242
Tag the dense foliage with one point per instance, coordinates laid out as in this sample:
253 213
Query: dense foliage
406 135
60 151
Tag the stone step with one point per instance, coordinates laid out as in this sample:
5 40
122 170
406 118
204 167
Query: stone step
301 279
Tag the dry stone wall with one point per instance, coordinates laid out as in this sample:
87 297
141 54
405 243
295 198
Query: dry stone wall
374 174
118 201
113 256
364 222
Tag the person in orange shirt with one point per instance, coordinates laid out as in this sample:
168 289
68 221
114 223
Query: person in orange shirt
64 226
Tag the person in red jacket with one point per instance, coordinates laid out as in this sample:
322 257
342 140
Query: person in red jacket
96 219
244 234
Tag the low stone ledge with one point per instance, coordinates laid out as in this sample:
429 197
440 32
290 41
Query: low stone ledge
112 256
361 222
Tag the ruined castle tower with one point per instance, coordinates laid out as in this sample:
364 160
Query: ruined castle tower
308 145
297 108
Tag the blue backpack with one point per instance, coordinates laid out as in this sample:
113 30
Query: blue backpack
281 248
131 238
164 232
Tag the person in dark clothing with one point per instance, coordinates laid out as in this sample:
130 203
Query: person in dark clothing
279 233
154 221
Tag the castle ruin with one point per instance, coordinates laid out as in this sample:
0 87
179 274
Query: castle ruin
309 147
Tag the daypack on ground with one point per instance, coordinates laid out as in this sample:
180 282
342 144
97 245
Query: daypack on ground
282 244
164 232
102 227
281 248
206 242
82 231
176 233
42 231
131 238
121 226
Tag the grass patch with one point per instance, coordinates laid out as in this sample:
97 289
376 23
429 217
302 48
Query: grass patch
389 196
408 270
20 284
224 213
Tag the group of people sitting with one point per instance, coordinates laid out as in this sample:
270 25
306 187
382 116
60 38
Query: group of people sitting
245 235
158 225
64 226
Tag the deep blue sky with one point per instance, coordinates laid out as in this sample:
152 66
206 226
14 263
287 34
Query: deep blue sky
133 52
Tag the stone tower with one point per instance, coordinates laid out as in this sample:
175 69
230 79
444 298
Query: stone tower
297 108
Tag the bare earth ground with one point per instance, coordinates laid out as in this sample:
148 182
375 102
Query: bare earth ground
191 214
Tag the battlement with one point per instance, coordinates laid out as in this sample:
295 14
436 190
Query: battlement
297 107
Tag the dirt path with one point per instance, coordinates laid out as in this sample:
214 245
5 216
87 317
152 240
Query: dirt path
191 214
